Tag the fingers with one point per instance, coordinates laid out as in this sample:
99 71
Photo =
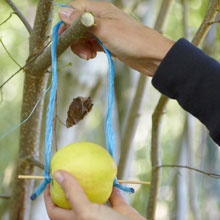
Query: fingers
98 8
55 212
73 191
86 48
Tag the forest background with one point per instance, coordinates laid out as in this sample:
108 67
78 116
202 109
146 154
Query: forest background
183 192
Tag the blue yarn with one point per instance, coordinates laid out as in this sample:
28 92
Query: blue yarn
109 133
50 112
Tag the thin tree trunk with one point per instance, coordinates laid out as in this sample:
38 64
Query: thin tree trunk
156 123
34 85
136 106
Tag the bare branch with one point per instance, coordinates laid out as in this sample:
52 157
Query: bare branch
23 67
185 18
156 123
20 15
212 175
213 22
75 31
7 18
4 196
205 26
6 50
37 163
131 126
14 74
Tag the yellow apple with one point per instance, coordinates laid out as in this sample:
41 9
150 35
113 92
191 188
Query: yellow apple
91 165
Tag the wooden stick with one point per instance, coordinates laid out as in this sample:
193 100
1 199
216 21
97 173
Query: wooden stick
119 181
133 182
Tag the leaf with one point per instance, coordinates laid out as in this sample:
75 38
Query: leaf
78 109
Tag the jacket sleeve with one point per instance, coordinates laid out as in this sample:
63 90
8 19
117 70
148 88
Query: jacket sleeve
192 78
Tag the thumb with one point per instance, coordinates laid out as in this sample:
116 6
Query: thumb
73 191
68 15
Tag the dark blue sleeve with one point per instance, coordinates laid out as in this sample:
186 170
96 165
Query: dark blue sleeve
192 78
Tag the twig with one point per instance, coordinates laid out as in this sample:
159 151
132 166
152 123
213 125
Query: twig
212 175
185 18
61 122
156 124
20 15
213 22
131 126
74 32
205 26
6 50
3 196
36 163
1 93
7 18
23 67
14 74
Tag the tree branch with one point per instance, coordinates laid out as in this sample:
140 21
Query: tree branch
20 15
7 18
131 126
185 18
156 119
75 31
42 26
205 26
212 175
3 196
36 163
156 124
9 53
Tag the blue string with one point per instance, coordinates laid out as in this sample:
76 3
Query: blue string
109 133
50 112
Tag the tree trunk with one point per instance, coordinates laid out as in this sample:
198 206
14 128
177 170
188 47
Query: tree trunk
34 85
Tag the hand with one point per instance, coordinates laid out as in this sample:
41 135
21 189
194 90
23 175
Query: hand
129 40
82 208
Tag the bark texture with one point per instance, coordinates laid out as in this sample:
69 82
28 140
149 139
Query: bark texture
36 77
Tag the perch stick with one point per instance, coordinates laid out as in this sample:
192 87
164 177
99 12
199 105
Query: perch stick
119 181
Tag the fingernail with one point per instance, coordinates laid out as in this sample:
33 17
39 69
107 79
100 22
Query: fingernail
58 177
66 12
83 56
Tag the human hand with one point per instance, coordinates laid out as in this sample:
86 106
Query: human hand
82 208
129 40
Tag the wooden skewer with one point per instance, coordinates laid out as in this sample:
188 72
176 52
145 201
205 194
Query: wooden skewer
119 181
134 182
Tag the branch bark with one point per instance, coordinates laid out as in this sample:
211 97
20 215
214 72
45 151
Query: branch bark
156 124
20 15
3 196
131 126
136 107
211 175
155 146
35 83
75 31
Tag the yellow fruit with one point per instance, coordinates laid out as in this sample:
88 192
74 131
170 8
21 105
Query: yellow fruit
91 165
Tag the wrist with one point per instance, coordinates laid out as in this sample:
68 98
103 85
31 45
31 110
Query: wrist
155 51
